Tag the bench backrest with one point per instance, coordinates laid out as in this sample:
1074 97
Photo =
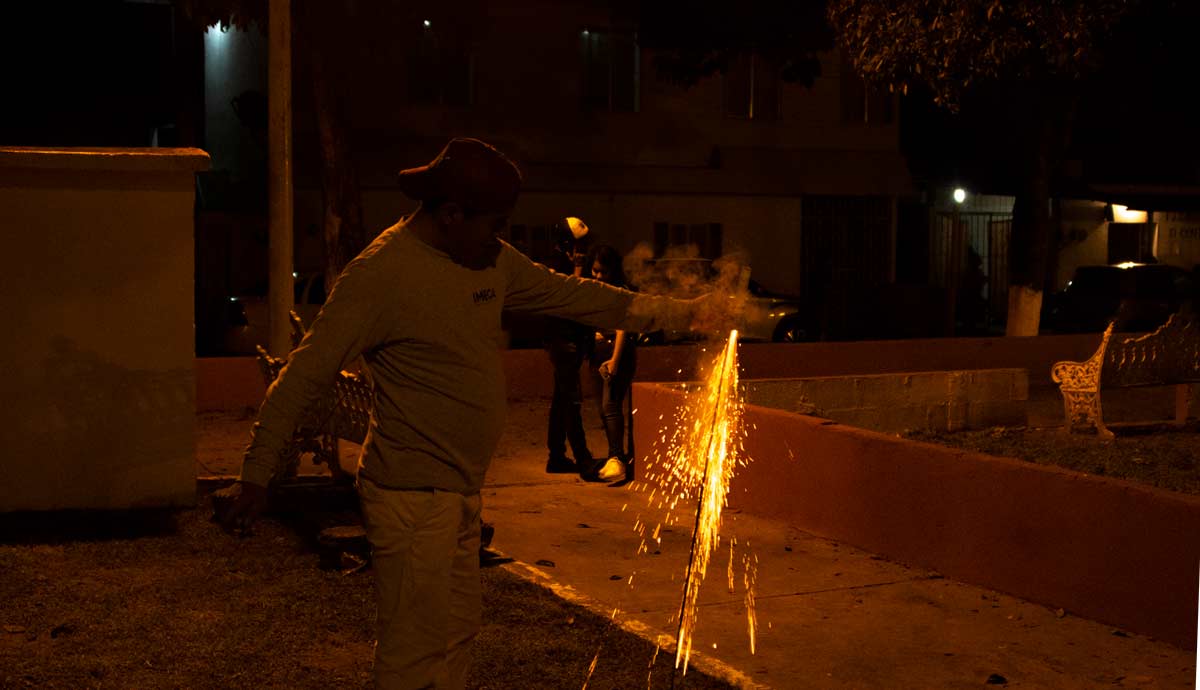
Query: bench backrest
344 411
1169 355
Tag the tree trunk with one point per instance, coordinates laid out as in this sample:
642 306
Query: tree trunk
1031 233
343 229
1034 216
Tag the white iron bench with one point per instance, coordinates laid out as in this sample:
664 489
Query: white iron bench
1168 356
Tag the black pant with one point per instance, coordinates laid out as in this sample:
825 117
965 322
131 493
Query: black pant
566 421
614 391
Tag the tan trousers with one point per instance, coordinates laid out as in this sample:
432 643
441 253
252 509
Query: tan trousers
425 550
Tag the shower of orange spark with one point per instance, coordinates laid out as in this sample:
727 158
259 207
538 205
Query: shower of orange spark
704 451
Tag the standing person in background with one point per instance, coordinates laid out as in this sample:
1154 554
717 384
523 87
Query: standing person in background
569 344
614 361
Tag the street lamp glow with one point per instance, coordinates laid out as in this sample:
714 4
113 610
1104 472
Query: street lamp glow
960 195
427 24
1122 214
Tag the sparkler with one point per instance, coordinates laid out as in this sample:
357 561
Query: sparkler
718 460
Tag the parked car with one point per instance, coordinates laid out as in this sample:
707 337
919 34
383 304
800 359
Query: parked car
1139 297
248 317
769 316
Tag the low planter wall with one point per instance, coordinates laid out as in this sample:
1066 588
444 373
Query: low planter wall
925 400
234 382
228 383
1100 548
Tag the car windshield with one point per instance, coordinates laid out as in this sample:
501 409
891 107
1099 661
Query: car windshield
1156 282
1101 281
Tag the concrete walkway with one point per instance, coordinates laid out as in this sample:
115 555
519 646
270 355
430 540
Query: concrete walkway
829 615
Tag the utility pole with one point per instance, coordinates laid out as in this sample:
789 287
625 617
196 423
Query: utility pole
280 297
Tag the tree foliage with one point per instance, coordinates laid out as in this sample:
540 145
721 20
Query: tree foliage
946 46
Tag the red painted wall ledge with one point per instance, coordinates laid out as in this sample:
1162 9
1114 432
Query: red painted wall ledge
1101 548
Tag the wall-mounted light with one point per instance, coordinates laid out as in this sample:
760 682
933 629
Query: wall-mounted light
1122 214
427 23
960 195
586 32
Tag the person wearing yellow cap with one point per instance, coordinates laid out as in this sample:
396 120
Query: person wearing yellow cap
421 305
568 344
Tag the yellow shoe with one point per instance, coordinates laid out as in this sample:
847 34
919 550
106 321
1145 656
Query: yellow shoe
613 470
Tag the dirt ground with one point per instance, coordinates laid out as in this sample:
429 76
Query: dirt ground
154 600
166 600
1159 455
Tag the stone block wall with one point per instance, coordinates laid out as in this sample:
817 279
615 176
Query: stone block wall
910 401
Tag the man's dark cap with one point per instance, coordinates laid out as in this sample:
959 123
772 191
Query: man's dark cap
467 171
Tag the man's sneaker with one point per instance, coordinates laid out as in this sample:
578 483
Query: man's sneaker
588 471
613 470
561 465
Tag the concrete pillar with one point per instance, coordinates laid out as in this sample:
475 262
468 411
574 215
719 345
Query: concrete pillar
98 355
279 172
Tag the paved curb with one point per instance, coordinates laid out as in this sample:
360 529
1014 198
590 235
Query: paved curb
698 660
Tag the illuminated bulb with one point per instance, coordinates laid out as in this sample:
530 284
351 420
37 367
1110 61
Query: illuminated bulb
960 195
427 23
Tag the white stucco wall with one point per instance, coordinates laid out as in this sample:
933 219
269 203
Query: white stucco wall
99 382
1178 238
757 226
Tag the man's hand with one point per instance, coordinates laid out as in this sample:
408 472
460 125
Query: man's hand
237 507
716 312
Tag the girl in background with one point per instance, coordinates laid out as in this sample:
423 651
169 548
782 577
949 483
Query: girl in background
614 361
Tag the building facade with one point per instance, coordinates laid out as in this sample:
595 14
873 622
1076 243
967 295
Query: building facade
801 183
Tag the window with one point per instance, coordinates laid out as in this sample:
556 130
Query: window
751 88
611 70
863 104
439 72
844 240
705 237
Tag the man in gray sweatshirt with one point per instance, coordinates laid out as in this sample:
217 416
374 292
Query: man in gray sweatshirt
422 306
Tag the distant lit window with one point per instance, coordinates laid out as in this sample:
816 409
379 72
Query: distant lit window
751 88
611 65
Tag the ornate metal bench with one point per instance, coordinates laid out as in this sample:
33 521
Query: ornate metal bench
345 413
342 414
1169 355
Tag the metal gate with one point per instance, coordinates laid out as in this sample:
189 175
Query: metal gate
845 253
953 236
